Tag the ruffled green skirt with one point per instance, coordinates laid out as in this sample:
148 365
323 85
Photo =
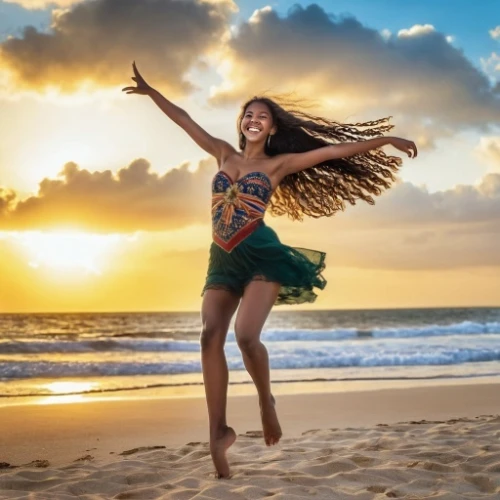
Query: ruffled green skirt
262 256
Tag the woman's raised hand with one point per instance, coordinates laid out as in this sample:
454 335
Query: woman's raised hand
404 145
142 87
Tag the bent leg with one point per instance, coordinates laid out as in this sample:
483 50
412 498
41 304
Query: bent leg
257 301
217 310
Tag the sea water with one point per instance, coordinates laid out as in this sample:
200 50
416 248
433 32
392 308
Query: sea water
106 353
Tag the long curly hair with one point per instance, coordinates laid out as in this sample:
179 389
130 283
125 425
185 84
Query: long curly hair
322 190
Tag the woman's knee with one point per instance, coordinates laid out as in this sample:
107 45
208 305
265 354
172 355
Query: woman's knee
248 341
212 336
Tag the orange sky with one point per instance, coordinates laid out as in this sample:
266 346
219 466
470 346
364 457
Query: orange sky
104 203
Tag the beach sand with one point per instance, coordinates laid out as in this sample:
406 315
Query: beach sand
440 442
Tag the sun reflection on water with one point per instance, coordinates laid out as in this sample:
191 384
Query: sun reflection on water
67 392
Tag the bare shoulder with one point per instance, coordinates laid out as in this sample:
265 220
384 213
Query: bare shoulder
226 151
279 165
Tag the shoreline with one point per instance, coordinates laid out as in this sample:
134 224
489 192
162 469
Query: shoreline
243 388
64 431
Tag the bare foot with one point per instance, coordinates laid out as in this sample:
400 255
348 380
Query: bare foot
270 423
218 446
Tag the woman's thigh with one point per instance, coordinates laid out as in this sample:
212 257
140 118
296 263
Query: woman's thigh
218 307
257 301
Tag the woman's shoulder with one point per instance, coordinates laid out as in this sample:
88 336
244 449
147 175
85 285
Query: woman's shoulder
227 152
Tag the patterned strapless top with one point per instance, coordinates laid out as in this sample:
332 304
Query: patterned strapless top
238 207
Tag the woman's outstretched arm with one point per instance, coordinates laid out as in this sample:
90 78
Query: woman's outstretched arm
213 146
295 162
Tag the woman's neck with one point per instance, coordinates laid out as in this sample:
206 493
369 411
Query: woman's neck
253 152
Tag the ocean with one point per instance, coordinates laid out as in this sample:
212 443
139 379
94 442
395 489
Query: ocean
106 353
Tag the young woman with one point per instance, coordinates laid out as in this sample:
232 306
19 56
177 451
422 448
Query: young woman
292 163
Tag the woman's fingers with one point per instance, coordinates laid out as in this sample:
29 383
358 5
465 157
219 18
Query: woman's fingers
137 78
411 149
136 71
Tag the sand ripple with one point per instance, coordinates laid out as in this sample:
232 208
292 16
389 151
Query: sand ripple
446 460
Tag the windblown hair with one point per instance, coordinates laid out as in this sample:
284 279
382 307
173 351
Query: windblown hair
322 190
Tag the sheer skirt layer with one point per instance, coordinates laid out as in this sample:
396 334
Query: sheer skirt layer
261 256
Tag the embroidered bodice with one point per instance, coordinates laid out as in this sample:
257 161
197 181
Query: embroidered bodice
238 207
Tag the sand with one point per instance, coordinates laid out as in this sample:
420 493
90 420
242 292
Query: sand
418 442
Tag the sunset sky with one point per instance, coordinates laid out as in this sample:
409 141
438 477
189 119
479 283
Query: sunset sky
105 203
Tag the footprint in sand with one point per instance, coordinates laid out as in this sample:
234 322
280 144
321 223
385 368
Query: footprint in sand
253 434
38 463
142 448
376 489
483 483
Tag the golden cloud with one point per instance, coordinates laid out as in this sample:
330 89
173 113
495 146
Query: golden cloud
429 86
414 228
488 151
94 43
136 198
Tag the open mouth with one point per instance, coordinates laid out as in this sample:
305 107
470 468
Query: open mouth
253 129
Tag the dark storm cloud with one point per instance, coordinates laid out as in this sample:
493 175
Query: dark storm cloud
98 40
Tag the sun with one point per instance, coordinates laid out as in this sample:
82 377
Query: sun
68 250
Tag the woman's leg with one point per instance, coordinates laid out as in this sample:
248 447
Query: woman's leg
257 301
217 310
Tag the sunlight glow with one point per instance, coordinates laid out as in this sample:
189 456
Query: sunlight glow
52 400
69 387
68 250
78 150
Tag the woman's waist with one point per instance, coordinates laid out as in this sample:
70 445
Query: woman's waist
257 232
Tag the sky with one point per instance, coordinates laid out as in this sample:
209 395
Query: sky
105 203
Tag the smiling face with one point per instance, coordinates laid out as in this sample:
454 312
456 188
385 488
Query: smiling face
257 122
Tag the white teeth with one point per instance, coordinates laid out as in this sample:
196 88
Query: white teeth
253 129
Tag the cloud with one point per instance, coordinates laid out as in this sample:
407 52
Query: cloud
94 43
495 33
407 205
137 198
417 30
417 250
134 199
42 4
491 65
488 151
408 227
427 84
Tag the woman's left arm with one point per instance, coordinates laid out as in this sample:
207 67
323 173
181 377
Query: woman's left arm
295 162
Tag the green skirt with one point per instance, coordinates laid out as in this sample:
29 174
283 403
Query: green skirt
261 256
